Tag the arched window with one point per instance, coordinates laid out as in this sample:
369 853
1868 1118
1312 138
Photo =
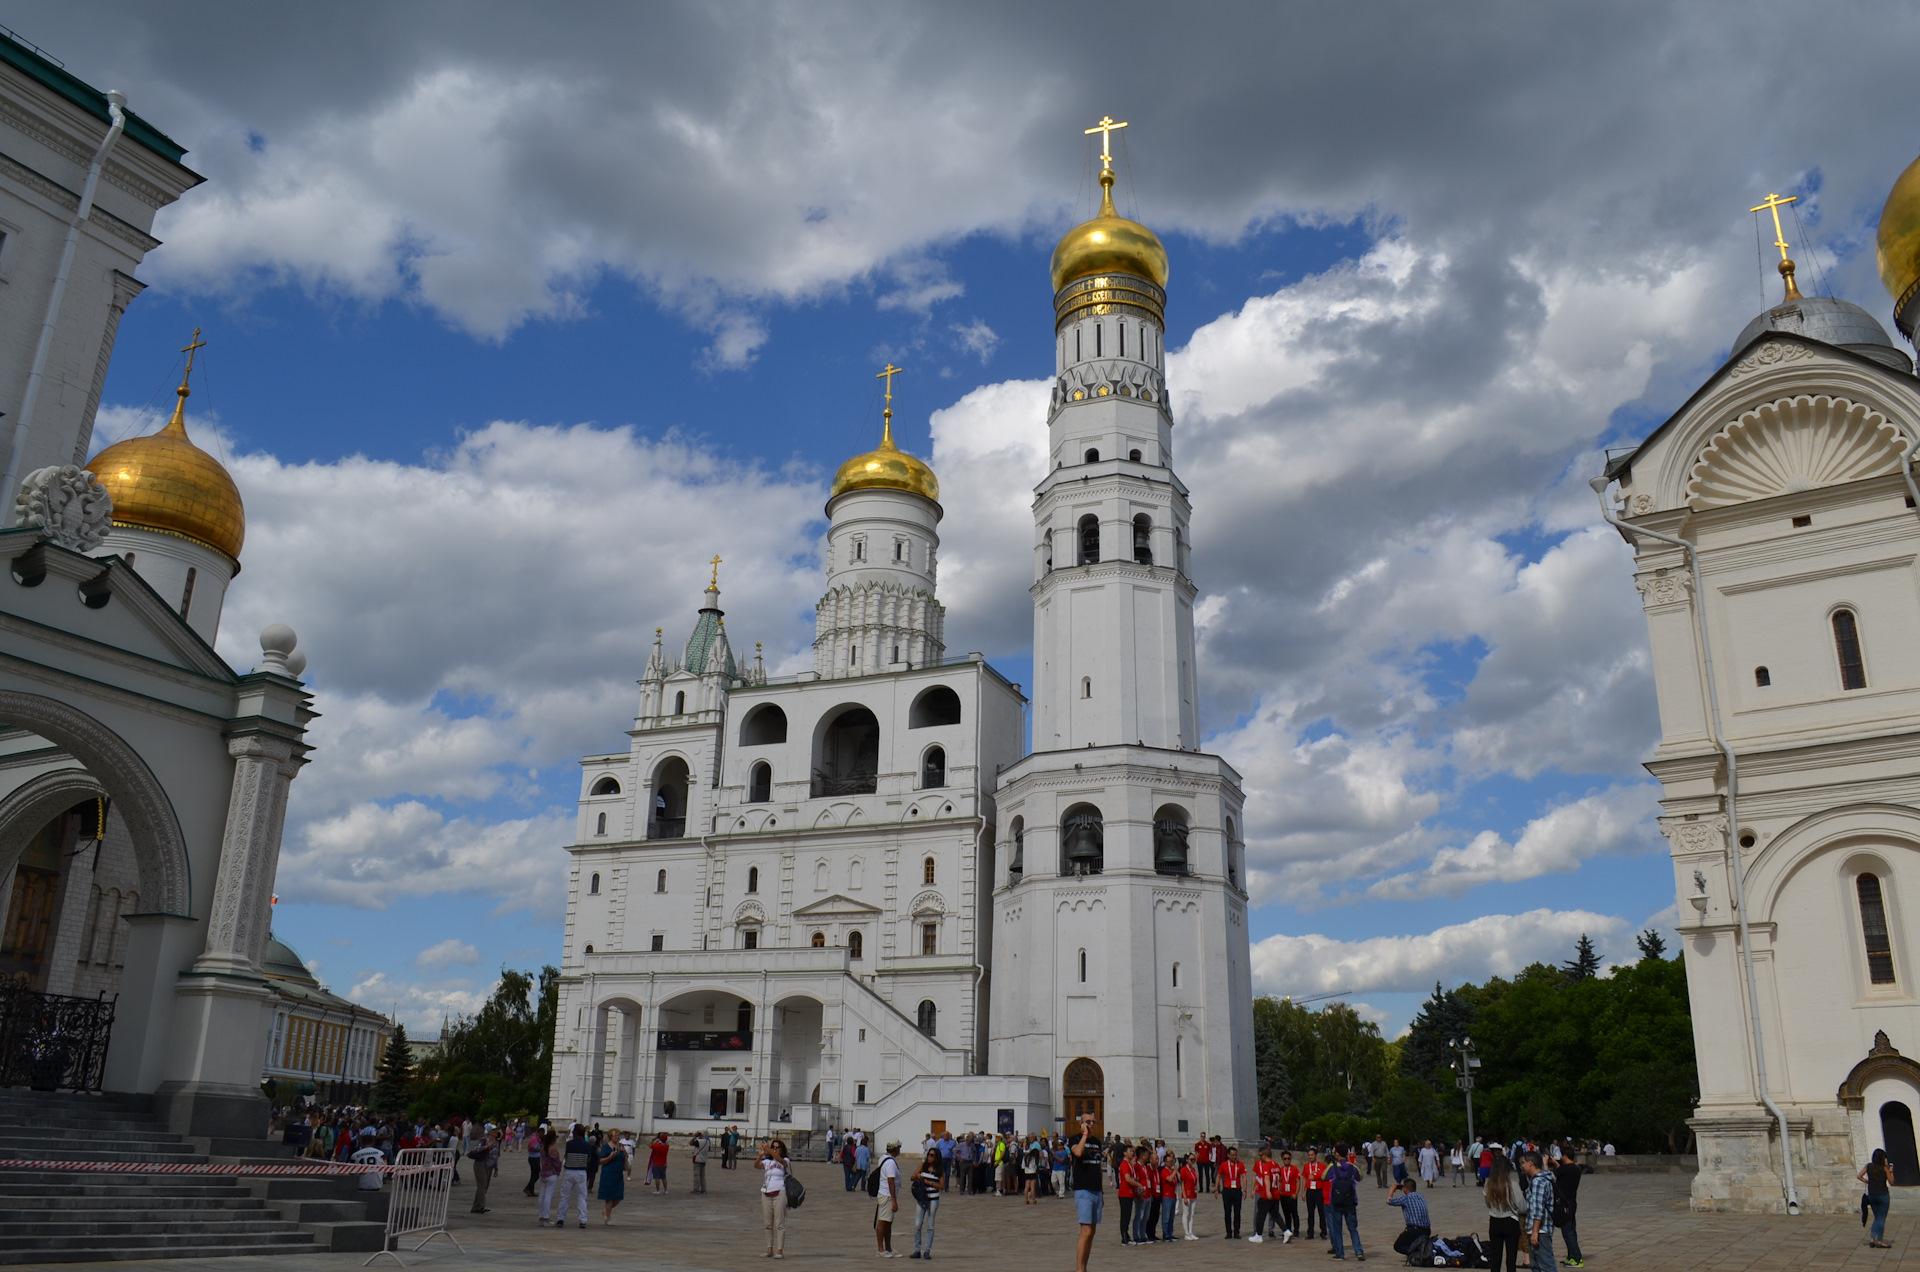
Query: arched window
1134 456
1093 455
606 786
760 783
1170 840
1018 865
1083 967
856 944
927 872
660 881
927 1013
1086 686
765 725
1082 841
680 703
1089 539
1233 855
1762 677
846 757
753 878
593 886
1873 925
670 782
600 825
1143 539
933 768
819 940
937 706
1846 643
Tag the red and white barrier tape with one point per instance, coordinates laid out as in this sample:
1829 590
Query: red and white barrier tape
213 1168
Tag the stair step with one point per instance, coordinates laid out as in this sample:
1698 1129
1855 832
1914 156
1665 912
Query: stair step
162 1243
91 1227
99 1254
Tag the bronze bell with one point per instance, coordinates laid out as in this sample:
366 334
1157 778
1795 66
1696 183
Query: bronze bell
1085 844
1169 847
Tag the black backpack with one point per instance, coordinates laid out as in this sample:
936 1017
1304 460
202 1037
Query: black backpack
796 1193
873 1178
1344 1193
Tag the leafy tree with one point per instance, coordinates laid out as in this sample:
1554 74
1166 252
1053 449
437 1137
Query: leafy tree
1585 964
392 1090
1651 943
500 1059
1444 1017
1272 1083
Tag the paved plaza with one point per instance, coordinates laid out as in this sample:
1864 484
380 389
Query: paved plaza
1626 1222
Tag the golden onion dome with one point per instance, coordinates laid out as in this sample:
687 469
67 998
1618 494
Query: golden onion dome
1109 244
1899 247
886 468
164 482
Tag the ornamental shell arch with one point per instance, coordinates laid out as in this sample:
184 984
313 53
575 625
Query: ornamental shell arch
928 902
1794 444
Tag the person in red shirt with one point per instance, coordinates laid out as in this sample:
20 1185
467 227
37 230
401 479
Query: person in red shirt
1146 1195
1203 1163
1123 1177
1233 1172
1169 1195
1266 1187
657 1163
1289 1198
1313 1177
1189 1193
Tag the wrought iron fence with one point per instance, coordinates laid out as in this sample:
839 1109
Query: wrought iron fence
53 1042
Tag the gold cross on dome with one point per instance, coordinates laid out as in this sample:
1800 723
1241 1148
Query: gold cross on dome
715 581
1106 128
888 375
1773 204
195 343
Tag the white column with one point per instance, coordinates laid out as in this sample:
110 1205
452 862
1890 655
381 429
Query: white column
241 914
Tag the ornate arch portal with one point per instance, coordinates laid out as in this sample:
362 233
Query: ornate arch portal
112 766
1896 1119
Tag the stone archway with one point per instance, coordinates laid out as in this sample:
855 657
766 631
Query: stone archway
158 844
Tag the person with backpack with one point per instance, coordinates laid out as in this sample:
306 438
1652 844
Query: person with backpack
1232 1173
883 1185
1343 1202
1539 1210
1566 1204
774 1168
849 1154
926 1188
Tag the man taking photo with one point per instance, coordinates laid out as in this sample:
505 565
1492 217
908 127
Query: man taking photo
1089 1197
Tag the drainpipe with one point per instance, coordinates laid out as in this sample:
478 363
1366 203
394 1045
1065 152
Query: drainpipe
1734 864
116 102
1906 471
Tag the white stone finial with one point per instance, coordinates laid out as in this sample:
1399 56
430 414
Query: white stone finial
297 663
277 640
67 504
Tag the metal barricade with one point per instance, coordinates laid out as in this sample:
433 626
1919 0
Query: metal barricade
422 1183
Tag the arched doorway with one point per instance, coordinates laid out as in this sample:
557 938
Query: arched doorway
1896 1132
1085 1088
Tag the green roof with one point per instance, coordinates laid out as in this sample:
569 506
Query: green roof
34 64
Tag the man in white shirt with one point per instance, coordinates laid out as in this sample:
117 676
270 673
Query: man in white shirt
887 1202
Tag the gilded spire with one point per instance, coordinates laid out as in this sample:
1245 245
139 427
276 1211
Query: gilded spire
1106 128
178 424
1773 204
886 412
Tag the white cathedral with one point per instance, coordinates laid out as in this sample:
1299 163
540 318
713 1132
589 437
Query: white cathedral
852 897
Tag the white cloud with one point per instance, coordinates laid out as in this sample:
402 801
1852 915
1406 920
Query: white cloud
448 953
977 339
421 1006
1491 945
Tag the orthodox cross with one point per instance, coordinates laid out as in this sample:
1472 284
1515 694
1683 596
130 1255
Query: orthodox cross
1105 128
1773 204
888 375
715 581
195 343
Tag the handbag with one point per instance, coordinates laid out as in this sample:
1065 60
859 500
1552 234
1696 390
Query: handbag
796 1192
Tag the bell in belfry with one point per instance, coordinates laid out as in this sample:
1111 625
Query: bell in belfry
1086 846
1169 847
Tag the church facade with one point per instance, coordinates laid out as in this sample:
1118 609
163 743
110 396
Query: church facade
855 897
1777 548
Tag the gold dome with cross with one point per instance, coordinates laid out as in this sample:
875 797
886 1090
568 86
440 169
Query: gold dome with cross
1109 243
886 467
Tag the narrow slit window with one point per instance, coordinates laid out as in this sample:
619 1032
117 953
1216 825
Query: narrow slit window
1099 329
660 882
1123 339
1846 642
600 828
753 879
1873 926
186 596
1076 344
680 703
593 886
1086 686
927 872
1083 967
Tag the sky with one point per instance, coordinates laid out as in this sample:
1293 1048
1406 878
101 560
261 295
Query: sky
517 315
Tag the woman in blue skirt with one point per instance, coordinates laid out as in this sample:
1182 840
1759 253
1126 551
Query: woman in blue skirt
614 1169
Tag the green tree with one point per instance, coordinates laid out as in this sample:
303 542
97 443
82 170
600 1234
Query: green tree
1651 943
1272 1083
1585 964
393 1089
500 1059
1425 1052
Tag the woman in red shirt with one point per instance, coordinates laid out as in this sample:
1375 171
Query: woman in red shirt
1169 1196
1289 1198
1189 1193
1123 1175
1232 1172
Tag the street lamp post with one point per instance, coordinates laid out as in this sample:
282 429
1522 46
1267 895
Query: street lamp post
1463 1068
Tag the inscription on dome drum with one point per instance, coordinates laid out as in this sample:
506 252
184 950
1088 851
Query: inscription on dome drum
1791 445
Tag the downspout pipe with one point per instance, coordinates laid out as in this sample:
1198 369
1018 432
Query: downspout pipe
1734 864
22 425
1906 471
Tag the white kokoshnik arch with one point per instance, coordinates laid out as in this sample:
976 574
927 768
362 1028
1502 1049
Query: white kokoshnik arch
159 847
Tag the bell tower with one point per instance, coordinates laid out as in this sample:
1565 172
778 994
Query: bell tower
1120 901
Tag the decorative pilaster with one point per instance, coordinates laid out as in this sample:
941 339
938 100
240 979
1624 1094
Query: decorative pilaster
125 288
241 914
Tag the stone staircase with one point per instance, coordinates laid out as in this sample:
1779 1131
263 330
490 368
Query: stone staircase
51 1215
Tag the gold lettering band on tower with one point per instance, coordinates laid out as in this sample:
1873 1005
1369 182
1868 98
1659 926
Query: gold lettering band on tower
1109 294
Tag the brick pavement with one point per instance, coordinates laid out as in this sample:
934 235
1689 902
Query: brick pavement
1626 1222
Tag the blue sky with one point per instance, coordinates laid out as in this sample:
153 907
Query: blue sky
511 327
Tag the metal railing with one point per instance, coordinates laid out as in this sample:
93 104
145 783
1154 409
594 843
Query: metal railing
859 784
53 1042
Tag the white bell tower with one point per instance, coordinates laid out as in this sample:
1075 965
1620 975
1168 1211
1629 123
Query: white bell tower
1121 965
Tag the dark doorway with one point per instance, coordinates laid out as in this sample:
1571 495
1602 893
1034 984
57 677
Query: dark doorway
1896 1131
717 1103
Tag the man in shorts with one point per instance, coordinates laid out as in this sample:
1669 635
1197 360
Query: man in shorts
1089 1196
887 1201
